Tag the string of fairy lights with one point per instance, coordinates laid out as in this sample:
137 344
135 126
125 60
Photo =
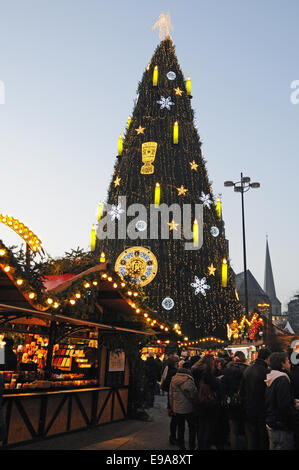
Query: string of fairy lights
23 231
57 302
87 283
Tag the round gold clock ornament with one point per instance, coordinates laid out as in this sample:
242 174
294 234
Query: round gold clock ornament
138 263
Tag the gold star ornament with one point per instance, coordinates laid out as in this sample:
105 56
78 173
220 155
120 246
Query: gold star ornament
117 181
173 225
193 165
140 130
178 91
211 270
182 191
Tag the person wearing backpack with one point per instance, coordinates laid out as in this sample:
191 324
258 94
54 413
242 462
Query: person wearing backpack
182 398
208 399
233 400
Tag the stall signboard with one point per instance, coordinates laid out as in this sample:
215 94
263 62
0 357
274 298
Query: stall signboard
116 361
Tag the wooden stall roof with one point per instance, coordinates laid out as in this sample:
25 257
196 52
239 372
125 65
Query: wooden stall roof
15 306
109 297
10 294
15 314
276 338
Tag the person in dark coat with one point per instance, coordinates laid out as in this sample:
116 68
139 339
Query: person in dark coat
281 415
159 372
169 371
159 366
10 356
231 387
151 373
208 410
253 390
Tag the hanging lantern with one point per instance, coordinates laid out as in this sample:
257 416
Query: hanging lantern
120 145
218 207
100 211
195 233
189 86
176 132
102 257
93 238
224 273
157 195
129 122
155 76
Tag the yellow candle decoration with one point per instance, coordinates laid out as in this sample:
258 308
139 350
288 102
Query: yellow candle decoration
176 132
157 195
93 238
102 257
224 273
218 207
100 211
188 86
129 122
120 145
195 233
155 76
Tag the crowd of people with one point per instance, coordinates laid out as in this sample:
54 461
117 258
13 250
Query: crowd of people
227 403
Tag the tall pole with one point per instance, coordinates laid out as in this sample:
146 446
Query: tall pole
242 187
244 247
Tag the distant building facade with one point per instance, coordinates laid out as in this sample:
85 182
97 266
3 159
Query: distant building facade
257 298
264 300
280 320
293 313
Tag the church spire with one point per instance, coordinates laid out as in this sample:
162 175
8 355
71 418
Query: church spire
269 286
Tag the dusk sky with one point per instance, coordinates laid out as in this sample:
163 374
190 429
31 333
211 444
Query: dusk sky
71 69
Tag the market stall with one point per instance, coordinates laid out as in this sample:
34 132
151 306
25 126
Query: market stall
62 377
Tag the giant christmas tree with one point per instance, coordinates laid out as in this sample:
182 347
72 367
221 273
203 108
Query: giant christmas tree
183 286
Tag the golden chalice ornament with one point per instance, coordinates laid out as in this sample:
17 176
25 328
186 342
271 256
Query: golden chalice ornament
137 263
149 150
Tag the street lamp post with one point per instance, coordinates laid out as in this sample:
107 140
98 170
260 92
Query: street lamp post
242 187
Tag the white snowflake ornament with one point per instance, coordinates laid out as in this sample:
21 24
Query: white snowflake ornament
115 211
165 102
200 285
206 200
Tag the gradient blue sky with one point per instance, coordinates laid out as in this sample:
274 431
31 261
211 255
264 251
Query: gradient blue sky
71 70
